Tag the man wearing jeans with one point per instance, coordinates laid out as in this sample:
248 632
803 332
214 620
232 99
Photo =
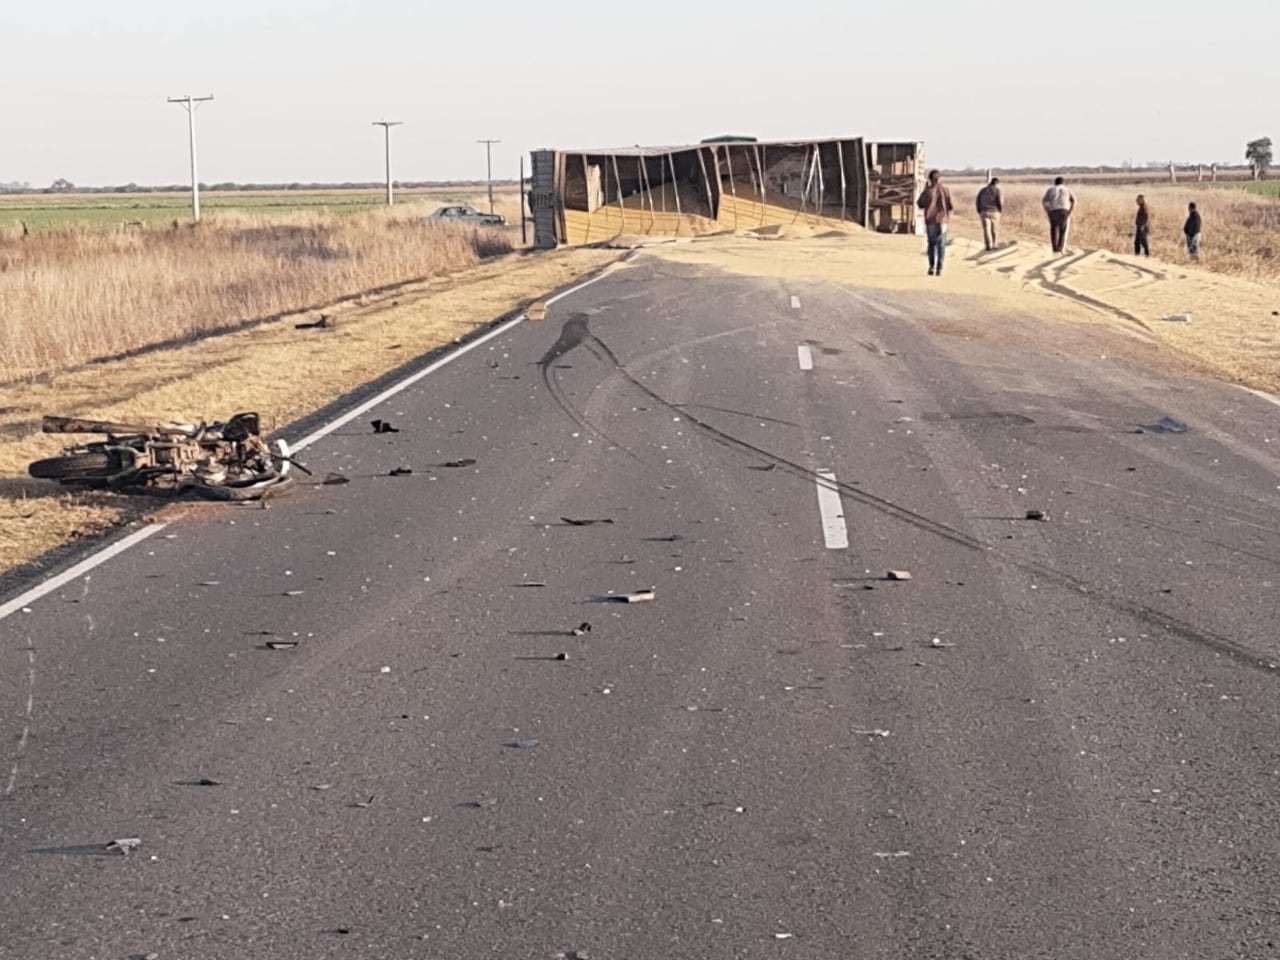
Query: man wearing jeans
1059 202
935 201
990 206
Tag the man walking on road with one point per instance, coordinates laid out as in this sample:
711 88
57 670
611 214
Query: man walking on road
1191 229
990 206
935 201
1059 202
1142 229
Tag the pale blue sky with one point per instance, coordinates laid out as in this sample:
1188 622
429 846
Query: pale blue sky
1002 82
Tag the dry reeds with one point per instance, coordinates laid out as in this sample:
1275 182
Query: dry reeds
1241 230
71 296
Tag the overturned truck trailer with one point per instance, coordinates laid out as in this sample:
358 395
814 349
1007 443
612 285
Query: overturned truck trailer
588 196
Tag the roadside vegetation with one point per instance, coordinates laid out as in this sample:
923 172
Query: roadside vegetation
74 294
1241 222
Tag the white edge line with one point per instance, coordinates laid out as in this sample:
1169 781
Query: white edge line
413 378
1262 394
81 568
834 530
120 546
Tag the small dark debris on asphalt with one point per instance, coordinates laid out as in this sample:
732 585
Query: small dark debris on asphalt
585 523
672 538
401 472
201 782
580 629
765 468
323 323
1164 425
521 744
479 804
464 462
383 426
334 480
1038 515
362 804
280 644
531 584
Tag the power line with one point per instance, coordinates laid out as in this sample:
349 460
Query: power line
386 126
191 104
488 158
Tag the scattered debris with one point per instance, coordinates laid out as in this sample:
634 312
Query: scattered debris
400 472
521 744
202 782
319 787
124 846
765 468
536 311
1038 515
324 323
209 583
585 523
639 596
293 593
479 804
1164 425
1177 318
783 936
561 656
893 854
280 644
898 575
362 804
333 480
529 584
937 644
382 426
673 538
872 733
464 462
580 629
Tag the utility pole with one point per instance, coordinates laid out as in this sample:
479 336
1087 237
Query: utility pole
488 158
190 103
386 126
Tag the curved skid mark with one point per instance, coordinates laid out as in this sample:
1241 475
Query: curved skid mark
1173 625
573 334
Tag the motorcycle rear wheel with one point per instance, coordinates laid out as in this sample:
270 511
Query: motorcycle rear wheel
76 466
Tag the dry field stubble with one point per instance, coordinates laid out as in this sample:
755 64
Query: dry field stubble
73 295
1241 228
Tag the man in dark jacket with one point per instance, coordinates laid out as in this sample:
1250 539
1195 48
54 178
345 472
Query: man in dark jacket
1142 229
1191 229
990 206
935 201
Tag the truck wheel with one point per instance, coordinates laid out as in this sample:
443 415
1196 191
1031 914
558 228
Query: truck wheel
76 466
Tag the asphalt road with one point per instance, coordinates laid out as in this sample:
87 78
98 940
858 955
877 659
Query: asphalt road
1058 739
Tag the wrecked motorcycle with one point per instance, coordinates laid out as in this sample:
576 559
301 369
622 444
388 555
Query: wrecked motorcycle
222 461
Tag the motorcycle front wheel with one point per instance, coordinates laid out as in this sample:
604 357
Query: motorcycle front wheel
76 466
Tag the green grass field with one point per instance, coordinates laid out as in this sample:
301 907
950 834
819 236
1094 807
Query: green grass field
55 211
1263 188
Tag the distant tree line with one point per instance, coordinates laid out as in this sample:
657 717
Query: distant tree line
66 186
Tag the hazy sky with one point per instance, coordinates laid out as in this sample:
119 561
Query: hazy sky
297 85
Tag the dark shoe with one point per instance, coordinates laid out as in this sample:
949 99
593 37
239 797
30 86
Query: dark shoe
931 271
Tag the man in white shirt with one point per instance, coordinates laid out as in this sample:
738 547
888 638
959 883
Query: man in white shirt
1059 202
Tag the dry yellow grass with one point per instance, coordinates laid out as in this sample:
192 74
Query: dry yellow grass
1241 230
71 296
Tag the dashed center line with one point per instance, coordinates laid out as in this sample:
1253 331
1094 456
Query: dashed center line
795 302
834 531
805 353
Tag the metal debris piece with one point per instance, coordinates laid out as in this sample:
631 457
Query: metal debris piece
639 596
783 936
893 854
585 523
521 744
365 803
321 786
383 426
536 311
333 480
561 656
937 643
898 575
872 733
400 472
531 584
581 629
293 593
765 468
124 846
279 644
1038 515
672 538
464 462
324 323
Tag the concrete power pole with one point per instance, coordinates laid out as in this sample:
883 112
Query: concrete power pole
190 103
386 126
488 160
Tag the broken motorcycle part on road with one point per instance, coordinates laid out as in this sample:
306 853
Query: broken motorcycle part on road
464 462
383 426
898 575
638 596
580 629
401 472
222 460
124 846
585 523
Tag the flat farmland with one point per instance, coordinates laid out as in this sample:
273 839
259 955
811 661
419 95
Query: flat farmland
130 210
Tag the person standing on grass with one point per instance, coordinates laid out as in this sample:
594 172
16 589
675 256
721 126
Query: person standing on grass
1142 229
990 206
1059 202
1191 229
935 201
